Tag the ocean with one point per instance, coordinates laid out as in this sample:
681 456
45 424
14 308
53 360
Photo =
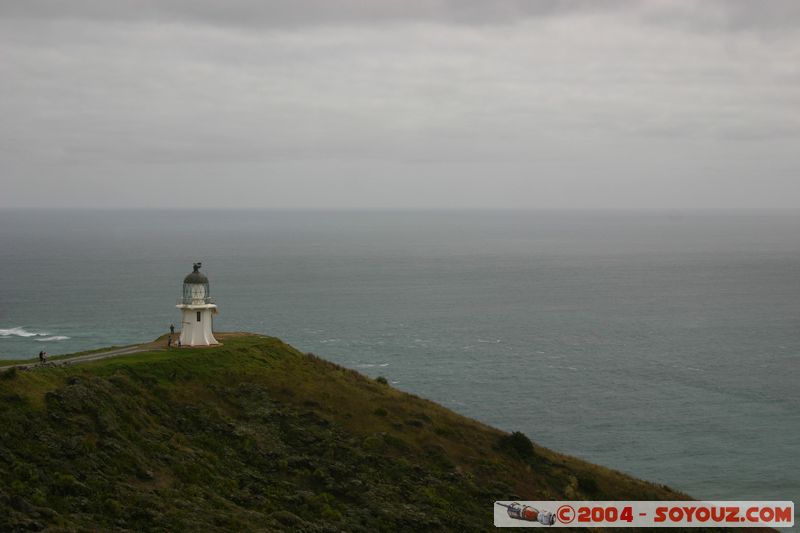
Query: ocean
662 344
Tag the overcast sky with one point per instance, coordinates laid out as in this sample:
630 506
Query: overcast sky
400 103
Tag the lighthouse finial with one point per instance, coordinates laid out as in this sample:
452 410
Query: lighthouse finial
197 266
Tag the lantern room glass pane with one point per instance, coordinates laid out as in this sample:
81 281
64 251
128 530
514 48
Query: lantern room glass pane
196 293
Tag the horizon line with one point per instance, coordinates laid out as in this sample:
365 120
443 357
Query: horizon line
399 209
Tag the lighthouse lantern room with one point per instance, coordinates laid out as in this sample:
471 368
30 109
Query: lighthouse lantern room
197 309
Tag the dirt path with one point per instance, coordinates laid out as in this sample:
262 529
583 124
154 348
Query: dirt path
80 358
160 344
156 345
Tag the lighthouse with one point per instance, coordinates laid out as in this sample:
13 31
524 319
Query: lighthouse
197 309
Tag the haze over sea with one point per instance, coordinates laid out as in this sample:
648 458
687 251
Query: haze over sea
663 344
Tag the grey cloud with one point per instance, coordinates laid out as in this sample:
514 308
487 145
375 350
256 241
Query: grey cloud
469 103
293 13
780 15
724 15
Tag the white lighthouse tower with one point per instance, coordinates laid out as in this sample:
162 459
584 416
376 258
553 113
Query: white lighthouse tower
197 309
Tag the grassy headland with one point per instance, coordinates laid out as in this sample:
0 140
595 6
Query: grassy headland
257 436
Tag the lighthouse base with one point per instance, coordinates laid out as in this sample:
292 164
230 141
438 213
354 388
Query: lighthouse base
196 324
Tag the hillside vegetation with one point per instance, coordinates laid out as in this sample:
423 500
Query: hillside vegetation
257 436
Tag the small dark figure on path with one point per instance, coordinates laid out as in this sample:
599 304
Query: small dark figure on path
41 356
44 357
172 329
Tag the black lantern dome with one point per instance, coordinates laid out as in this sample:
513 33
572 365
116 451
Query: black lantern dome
196 276
195 287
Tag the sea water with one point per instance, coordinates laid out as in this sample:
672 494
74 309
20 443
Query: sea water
662 344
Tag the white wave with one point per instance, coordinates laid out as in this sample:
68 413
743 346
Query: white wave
555 367
21 332
53 338
498 341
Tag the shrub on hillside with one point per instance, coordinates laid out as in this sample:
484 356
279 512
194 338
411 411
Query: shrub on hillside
517 444
587 484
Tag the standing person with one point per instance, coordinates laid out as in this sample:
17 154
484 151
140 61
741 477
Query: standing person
44 357
172 329
169 341
41 356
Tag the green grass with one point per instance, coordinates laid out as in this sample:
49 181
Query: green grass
257 436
